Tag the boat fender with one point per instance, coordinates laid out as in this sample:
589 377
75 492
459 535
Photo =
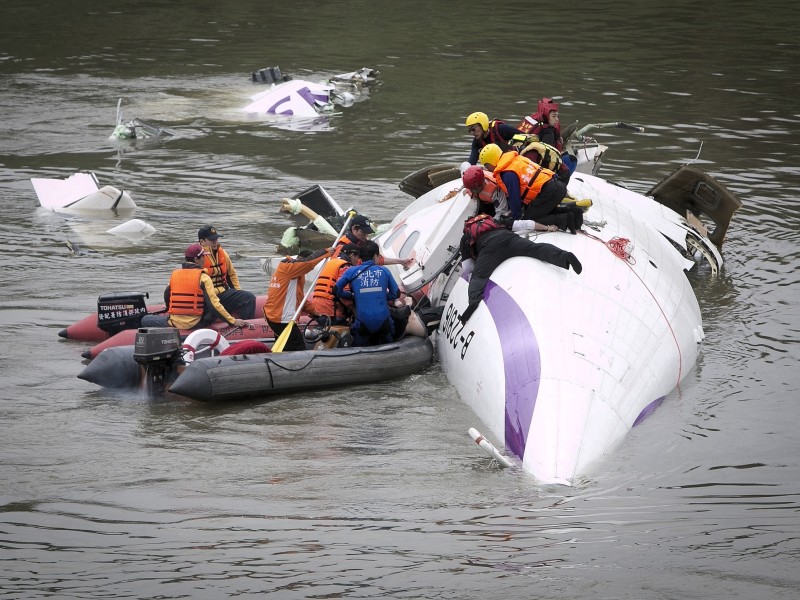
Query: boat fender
205 339
246 347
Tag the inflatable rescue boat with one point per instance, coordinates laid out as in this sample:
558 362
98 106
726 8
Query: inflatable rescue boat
159 363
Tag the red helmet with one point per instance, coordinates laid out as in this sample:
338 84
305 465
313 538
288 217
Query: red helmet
546 106
473 177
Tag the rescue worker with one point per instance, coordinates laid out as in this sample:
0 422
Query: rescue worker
533 192
219 267
323 300
485 132
372 287
190 297
285 293
546 126
360 228
486 244
482 186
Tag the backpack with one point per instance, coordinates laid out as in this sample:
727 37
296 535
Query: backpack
476 226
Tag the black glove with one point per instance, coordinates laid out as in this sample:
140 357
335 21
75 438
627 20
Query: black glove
468 313
506 221
572 261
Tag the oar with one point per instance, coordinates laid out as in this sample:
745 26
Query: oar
280 343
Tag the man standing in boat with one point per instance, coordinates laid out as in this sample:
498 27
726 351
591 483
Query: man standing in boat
285 293
372 287
191 298
323 300
218 265
360 228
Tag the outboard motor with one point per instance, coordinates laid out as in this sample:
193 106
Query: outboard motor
123 310
158 351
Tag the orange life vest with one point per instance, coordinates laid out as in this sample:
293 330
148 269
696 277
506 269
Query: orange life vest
217 268
185 292
325 302
489 186
531 176
343 241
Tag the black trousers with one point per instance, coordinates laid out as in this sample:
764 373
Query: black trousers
549 197
498 246
296 340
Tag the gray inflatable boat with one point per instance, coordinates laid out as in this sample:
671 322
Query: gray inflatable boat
237 377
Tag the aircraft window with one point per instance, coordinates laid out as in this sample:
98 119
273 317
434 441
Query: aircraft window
409 244
397 232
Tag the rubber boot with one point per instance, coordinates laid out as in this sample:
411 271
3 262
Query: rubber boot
571 222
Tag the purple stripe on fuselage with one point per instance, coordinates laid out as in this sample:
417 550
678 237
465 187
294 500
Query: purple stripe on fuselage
310 97
648 410
521 363
275 108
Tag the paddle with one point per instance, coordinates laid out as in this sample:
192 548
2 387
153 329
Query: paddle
280 343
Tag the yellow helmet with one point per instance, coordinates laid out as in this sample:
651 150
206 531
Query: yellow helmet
478 118
490 155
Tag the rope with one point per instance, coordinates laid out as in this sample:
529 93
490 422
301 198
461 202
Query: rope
619 248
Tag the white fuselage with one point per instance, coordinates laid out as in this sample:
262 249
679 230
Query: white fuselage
560 366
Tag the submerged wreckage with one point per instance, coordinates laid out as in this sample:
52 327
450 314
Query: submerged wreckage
560 366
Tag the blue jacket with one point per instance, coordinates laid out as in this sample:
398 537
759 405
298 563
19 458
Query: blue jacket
511 180
372 287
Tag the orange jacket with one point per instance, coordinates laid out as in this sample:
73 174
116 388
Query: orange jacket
489 186
186 295
285 292
531 176
323 298
220 268
346 240
187 298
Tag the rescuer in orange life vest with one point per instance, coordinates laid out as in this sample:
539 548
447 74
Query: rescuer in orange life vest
191 299
323 300
492 200
533 192
219 267
285 293
360 228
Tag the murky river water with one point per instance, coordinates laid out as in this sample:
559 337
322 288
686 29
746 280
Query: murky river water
377 491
